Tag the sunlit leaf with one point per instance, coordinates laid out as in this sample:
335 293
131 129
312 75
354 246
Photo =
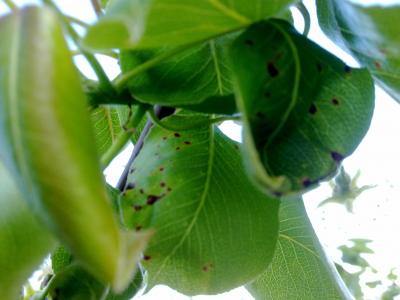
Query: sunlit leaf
24 242
300 269
47 142
159 23
214 230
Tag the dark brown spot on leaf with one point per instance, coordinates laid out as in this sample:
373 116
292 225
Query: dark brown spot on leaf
178 148
377 65
146 257
205 268
335 101
141 191
313 109
347 69
137 207
164 138
319 67
187 142
132 170
161 169
151 199
169 189
307 182
162 184
249 42
337 156
176 134
138 228
272 70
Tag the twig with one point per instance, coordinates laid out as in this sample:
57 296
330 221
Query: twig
139 145
97 7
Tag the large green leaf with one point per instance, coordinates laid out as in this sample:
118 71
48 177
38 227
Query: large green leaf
23 241
303 110
300 269
371 34
190 77
159 23
47 142
214 230
106 127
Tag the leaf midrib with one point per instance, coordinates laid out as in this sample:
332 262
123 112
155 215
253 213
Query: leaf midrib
211 155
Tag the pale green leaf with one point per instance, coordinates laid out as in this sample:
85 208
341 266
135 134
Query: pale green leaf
24 242
300 269
304 110
214 230
106 127
47 141
159 23
370 34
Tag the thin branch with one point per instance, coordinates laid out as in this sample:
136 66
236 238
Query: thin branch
306 16
11 5
97 7
77 21
136 150
96 66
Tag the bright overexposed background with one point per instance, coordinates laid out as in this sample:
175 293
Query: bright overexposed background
376 211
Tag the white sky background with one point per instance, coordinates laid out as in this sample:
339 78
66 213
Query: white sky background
376 211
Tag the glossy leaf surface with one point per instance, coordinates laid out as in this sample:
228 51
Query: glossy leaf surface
370 34
300 269
47 142
214 229
24 242
159 23
303 110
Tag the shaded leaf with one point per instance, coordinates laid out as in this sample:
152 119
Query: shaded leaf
351 255
47 142
214 230
376 46
300 269
159 23
24 242
199 74
75 283
303 110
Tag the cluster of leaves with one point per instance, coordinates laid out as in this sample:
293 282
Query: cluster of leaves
193 209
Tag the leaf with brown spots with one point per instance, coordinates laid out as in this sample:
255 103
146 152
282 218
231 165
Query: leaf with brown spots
315 115
209 212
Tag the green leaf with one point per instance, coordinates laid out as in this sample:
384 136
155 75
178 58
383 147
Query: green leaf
190 77
214 229
47 141
75 283
106 127
370 34
303 110
24 242
61 258
352 281
159 23
300 269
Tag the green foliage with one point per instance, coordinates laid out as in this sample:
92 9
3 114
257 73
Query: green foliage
300 269
24 242
376 46
192 209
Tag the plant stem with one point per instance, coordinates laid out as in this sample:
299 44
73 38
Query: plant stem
306 16
11 5
96 66
97 7
77 21
123 137
139 145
